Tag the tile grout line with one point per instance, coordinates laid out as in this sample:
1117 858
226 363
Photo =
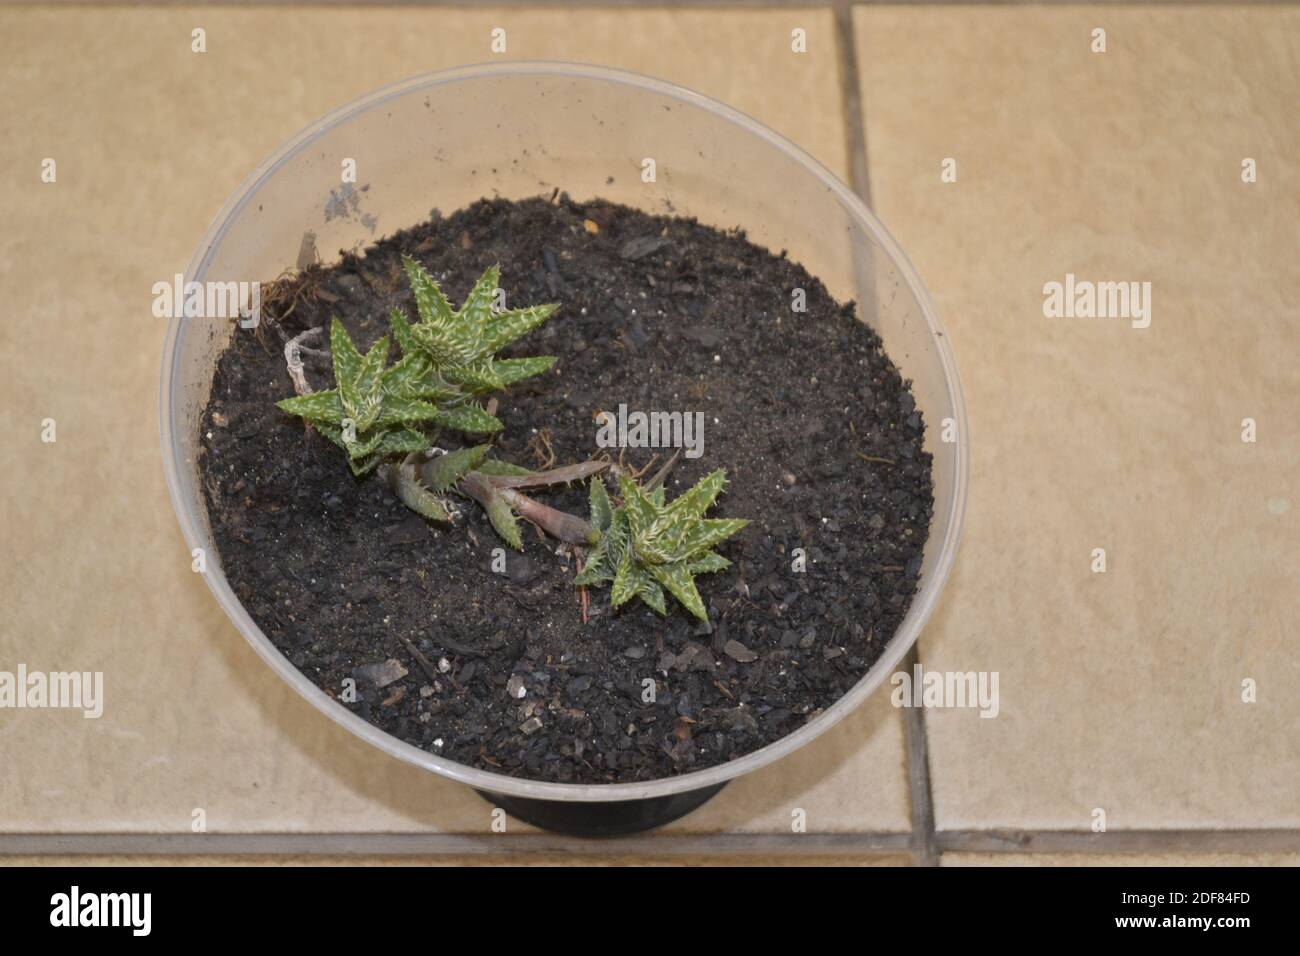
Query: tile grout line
851 100
924 848
925 841
1209 840
468 6
737 845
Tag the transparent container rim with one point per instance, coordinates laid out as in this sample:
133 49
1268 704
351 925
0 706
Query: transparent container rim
923 604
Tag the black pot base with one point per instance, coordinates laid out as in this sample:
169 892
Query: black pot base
610 819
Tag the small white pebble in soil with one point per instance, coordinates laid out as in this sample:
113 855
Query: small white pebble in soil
531 725
717 360
438 742
444 665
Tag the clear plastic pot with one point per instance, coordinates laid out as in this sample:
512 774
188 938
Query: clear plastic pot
522 129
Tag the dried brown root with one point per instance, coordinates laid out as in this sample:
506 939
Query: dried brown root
293 350
583 599
662 474
540 446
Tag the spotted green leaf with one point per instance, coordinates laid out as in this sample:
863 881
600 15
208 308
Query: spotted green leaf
347 361
510 371
677 579
505 522
629 581
698 499
652 594
400 411
429 300
505 327
467 418
442 472
707 563
477 310
601 509
317 407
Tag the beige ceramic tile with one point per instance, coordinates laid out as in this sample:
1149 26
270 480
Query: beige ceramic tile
1122 690
854 773
150 139
1120 859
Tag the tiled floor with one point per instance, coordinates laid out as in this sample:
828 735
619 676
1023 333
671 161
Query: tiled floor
1120 691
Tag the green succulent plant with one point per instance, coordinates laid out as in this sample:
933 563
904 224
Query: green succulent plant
448 358
459 347
648 546
372 408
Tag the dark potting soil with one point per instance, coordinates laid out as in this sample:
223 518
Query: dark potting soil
820 437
